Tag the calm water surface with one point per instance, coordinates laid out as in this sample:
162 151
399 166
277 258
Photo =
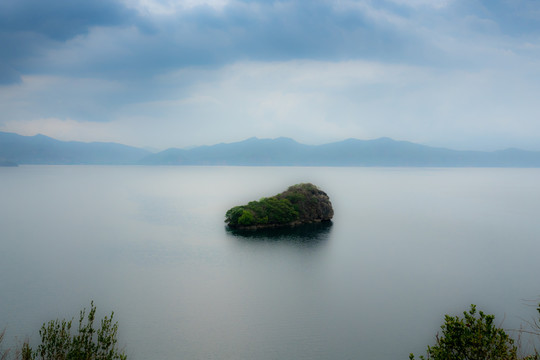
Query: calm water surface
406 247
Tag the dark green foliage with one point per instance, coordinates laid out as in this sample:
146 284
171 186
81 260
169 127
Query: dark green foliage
233 215
26 352
306 199
473 337
265 211
278 211
247 218
301 203
294 198
58 343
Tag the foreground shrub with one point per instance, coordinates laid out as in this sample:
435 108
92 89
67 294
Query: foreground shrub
3 352
535 330
473 337
58 343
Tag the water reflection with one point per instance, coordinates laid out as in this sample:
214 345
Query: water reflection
303 235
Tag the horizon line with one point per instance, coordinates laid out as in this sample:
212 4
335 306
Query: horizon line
192 147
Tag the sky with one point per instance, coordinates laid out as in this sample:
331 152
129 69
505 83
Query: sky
463 74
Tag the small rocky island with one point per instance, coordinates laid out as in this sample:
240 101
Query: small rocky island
299 204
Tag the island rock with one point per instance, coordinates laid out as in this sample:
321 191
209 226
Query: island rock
299 204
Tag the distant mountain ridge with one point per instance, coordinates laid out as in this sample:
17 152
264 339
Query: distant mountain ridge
350 152
40 149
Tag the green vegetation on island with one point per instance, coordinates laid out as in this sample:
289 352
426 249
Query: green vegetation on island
299 204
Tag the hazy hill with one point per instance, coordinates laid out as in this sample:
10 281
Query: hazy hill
253 151
7 163
40 149
351 152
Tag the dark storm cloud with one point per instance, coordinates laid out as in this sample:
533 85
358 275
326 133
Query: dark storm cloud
249 30
60 19
29 28
36 36
513 17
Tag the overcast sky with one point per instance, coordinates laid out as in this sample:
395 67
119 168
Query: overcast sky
463 74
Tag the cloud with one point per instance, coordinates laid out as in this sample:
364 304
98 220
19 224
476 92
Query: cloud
437 4
29 29
171 7
60 19
63 129
163 72
109 39
8 75
311 101
514 18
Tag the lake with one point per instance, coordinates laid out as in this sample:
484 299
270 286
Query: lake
406 246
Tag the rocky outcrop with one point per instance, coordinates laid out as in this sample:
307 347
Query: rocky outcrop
299 204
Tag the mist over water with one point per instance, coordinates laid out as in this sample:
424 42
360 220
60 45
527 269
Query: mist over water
405 247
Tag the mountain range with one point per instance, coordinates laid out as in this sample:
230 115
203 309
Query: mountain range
351 152
40 149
